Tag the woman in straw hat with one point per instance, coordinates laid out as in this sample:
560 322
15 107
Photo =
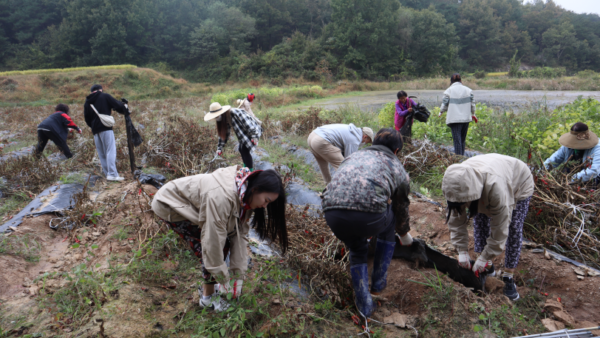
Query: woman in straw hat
246 129
580 145
211 213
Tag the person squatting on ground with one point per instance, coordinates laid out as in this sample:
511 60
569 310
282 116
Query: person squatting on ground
211 213
368 197
96 104
333 142
56 128
246 128
580 145
403 118
496 189
458 102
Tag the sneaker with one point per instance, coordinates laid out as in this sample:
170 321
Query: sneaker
215 302
510 289
114 178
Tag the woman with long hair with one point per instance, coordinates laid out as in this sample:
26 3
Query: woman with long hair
246 128
211 213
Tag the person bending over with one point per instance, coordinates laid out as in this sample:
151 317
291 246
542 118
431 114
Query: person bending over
56 128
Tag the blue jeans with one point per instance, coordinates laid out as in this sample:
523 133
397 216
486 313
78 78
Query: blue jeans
107 152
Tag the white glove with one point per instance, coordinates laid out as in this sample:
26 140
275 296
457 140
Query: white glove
464 259
480 265
254 141
235 289
219 152
406 240
440 115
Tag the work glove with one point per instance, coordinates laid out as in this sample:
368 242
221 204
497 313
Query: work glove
480 265
234 288
406 240
440 114
254 141
474 118
79 130
464 259
219 152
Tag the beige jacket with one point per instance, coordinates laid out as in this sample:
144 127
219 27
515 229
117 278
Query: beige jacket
498 182
210 201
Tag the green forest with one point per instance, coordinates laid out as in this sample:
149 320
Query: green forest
210 40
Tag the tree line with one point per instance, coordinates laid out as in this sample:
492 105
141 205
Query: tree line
210 40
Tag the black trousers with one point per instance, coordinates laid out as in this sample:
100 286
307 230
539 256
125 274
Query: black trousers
355 227
246 157
44 136
459 136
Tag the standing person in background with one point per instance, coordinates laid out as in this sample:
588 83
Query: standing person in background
496 190
56 128
96 104
333 142
580 145
246 129
368 197
458 102
403 119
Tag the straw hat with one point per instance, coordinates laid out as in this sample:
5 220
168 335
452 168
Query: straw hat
579 140
369 132
215 111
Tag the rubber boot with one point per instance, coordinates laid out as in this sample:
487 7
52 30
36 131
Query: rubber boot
383 256
360 283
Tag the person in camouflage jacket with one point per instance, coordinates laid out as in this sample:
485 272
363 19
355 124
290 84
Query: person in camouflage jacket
368 197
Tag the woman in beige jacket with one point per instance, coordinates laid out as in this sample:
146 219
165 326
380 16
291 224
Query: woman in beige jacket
211 213
496 189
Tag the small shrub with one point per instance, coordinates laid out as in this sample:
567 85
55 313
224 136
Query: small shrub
480 74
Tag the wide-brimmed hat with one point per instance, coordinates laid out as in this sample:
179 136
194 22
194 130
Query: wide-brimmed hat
369 132
215 111
579 140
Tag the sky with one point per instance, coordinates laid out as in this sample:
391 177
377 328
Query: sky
580 6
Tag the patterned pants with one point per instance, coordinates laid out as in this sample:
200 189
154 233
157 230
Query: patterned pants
481 225
459 136
191 234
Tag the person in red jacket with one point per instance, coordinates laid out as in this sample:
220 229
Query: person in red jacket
56 128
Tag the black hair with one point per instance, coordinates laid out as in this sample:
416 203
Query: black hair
274 226
95 87
63 108
223 125
401 94
579 126
455 78
390 138
457 206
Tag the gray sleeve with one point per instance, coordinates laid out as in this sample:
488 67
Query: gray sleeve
473 108
445 102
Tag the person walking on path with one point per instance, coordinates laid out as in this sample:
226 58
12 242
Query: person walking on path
403 119
368 197
333 142
246 128
56 128
580 145
211 212
496 190
97 105
460 107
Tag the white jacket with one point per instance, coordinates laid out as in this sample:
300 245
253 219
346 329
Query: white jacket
458 102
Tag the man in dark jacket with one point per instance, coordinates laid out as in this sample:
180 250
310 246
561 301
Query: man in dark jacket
368 197
103 135
56 128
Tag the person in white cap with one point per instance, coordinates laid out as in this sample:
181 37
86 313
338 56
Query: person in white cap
246 129
333 142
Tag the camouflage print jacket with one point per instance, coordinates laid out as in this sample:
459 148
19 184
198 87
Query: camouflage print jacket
367 181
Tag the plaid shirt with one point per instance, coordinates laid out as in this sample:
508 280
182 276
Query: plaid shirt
244 126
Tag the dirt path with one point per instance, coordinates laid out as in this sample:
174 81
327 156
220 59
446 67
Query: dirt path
509 99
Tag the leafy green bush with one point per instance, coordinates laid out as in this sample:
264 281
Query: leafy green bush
386 115
480 74
544 73
588 74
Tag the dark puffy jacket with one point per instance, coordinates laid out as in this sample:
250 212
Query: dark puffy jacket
104 103
368 181
58 123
